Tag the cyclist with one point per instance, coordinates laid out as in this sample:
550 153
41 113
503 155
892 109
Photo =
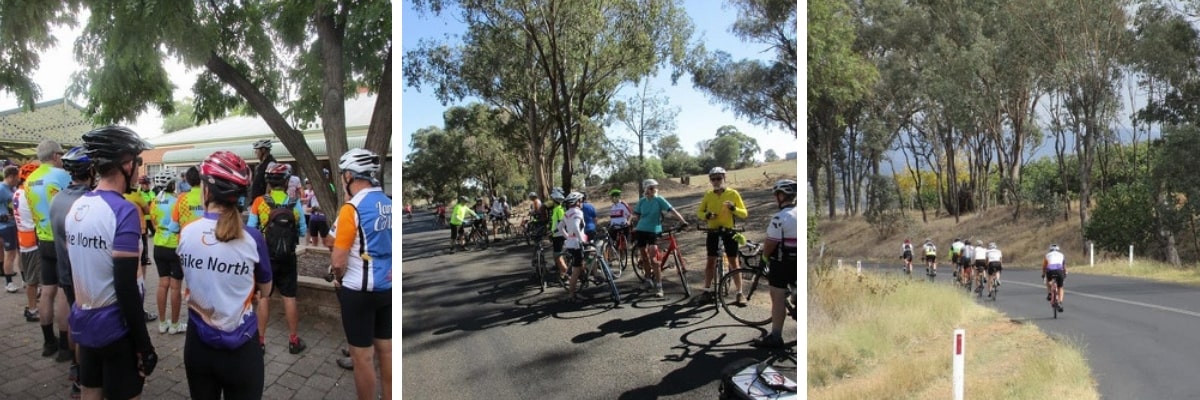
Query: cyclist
780 248
965 260
647 215
8 227
930 257
557 213
457 216
719 207
572 230
500 213
408 212
262 150
220 353
76 163
618 215
589 216
1054 267
980 259
40 188
30 261
283 264
441 215
146 200
906 253
170 269
994 259
361 252
955 253
115 352
481 210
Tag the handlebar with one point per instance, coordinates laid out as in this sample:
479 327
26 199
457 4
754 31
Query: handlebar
672 231
720 229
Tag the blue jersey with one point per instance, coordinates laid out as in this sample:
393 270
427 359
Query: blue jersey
364 228
6 206
650 212
589 217
98 224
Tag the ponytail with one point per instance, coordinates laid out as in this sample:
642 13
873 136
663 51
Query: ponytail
229 224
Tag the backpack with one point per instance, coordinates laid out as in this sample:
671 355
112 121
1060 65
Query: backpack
280 230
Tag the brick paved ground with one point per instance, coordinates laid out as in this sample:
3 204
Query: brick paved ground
308 375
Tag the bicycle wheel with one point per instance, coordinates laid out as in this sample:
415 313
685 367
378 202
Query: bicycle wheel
755 309
679 266
613 256
635 262
614 293
721 290
539 266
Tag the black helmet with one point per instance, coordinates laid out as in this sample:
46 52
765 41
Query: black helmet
113 144
76 162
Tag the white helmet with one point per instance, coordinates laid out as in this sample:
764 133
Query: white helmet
557 196
1054 247
359 161
992 246
717 171
649 183
262 144
573 198
163 178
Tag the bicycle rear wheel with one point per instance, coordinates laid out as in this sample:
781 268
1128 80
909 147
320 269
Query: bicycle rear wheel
613 256
635 262
539 266
755 310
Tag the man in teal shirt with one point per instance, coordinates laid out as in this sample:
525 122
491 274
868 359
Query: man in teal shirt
647 216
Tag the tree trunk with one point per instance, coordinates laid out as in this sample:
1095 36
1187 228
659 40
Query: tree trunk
379 133
330 34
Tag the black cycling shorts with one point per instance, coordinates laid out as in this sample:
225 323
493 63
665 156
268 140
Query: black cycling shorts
981 264
168 263
283 276
366 316
782 273
710 243
113 368
238 373
644 239
907 256
929 258
49 258
994 267
558 243
576 256
1057 275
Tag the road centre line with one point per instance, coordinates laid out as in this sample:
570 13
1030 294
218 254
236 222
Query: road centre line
1129 302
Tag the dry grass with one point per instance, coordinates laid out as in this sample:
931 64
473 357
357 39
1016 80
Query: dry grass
1023 242
1141 268
894 341
760 176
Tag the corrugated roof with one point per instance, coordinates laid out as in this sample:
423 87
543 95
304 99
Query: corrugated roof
237 129
243 149
60 120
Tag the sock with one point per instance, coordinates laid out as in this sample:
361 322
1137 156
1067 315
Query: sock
293 339
48 334
7 278
62 340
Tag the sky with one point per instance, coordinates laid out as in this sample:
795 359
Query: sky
698 118
58 63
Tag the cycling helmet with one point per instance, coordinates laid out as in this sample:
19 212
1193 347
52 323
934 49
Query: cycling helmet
28 169
557 196
360 162
978 242
277 174
503 198
144 180
464 199
533 195
262 144
614 192
110 145
786 186
573 198
1054 247
227 176
76 161
716 171
163 178
649 183
906 241
992 246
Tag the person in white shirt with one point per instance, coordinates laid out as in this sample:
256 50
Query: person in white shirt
499 215
906 254
571 229
994 259
980 258
965 260
930 257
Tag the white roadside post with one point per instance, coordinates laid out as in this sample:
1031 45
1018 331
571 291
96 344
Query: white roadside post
859 266
959 362
1131 256
1091 254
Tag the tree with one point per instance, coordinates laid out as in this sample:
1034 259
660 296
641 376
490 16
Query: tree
183 117
762 92
770 156
124 44
650 119
557 62
25 32
426 167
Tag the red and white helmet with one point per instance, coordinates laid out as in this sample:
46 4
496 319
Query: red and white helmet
226 174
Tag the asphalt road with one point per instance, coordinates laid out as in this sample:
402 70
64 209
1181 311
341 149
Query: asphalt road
1138 336
475 327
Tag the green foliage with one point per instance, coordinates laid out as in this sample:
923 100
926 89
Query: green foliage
1123 216
883 211
631 173
1044 190
813 235
183 117
770 156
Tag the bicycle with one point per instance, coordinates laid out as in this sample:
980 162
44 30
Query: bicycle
617 250
993 289
503 229
978 279
671 256
593 259
1055 296
543 269
755 308
720 263
476 235
531 229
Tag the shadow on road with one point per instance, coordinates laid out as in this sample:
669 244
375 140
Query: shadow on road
703 361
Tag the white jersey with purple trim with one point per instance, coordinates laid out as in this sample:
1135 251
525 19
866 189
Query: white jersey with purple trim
571 228
99 223
980 253
221 279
